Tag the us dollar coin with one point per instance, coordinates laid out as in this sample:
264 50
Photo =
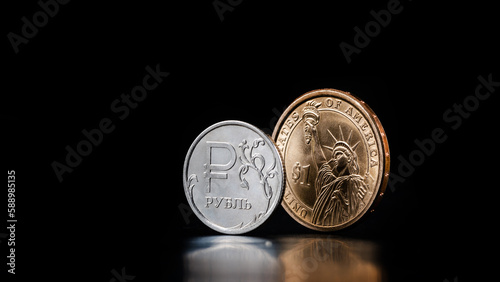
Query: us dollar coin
336 156
233 177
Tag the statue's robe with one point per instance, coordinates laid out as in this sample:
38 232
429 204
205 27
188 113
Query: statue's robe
336 197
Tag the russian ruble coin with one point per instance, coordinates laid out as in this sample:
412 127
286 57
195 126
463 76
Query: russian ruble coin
336 156
233 177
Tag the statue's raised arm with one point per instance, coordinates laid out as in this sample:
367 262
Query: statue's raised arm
310 115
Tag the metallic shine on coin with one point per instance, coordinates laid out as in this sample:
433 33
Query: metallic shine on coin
336 156
233 177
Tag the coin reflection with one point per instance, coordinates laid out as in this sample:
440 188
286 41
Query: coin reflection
329 259
231 258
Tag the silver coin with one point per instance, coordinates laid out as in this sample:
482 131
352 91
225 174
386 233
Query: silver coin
233 177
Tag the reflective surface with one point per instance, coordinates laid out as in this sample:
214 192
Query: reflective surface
310 258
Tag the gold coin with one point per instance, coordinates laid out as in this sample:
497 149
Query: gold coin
336 158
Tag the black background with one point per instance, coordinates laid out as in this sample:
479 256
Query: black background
122 206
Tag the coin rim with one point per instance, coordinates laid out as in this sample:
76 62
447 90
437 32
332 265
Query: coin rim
330 92
279 165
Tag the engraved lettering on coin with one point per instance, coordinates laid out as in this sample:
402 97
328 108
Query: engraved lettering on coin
338 157
241 174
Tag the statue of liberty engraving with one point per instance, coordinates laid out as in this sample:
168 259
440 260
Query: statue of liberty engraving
337 182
